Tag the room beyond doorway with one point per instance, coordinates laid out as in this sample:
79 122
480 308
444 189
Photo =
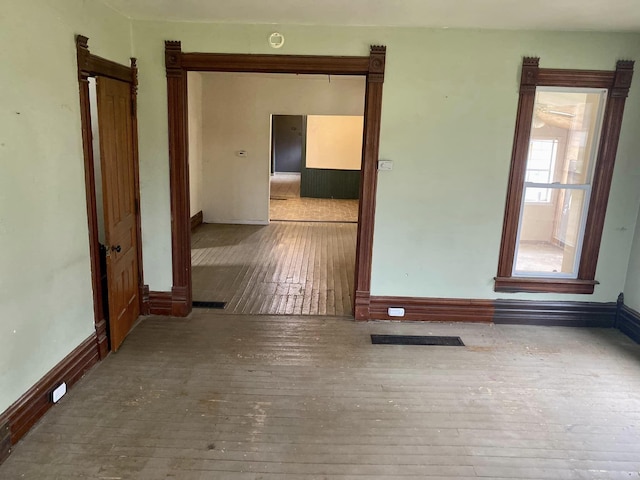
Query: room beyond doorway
280 242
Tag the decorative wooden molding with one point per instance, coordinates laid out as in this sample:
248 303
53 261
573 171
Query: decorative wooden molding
377 59
617 82
177 64
196 220
603 173
361 305
560 285
144 295
31 406
90 65
181 301
565 314
628 320
256 63
5 441
160 303
434 309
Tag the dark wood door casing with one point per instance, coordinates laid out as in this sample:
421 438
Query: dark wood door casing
178 64
90 65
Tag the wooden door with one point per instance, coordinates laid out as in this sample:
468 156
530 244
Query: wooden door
119 200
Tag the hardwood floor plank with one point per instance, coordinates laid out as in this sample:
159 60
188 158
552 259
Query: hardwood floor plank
310 264
248 397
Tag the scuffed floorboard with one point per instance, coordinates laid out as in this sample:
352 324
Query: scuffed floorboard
298 398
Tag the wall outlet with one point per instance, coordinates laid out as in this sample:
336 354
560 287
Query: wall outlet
59 392
395 312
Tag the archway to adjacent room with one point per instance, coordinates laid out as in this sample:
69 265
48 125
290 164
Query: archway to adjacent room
177 66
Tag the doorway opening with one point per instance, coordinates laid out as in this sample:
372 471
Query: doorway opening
109 134
178 64
260 251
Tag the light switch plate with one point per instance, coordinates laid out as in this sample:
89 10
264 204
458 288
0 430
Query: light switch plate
385 165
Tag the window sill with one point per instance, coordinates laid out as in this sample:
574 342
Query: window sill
544 285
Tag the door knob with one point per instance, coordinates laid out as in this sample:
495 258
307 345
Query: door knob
116 248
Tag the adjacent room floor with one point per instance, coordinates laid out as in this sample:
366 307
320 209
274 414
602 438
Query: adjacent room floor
286 203
302 268
244 398
302 263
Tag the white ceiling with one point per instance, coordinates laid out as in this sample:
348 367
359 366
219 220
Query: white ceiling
604 15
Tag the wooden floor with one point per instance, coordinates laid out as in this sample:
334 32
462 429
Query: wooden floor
301 268
286 204
245 398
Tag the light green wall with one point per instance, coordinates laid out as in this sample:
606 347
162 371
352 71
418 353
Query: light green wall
449 105
448 115
46 305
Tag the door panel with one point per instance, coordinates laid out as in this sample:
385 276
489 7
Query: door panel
287 142
118 186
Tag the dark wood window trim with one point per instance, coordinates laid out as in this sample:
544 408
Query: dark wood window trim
179 63
617 82
90 65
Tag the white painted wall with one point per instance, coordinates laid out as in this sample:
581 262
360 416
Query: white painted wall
236 115
448 115
46 303
334 142
194 88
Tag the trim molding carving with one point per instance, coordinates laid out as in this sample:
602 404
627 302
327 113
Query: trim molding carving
177 65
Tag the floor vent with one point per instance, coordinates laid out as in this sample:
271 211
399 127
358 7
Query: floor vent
219 305
416 340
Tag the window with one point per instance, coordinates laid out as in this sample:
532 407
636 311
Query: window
565 144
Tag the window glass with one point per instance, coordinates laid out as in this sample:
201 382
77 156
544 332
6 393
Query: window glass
562 151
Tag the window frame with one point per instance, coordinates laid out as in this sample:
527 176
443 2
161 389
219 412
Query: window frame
617 83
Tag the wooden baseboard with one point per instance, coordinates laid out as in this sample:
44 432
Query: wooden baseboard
196 220
628 322
160 303
559 313
5 441
433 309
173 303
31 406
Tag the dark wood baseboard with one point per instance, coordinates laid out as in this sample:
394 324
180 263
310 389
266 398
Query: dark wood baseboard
173 303
5 441
31 406
160 303
196 220
433 309
564 314
628 322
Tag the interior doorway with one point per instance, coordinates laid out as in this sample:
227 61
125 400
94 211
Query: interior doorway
264 248
109 128
177 63
286 143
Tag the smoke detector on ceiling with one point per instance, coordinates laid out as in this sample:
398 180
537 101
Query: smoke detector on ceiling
276 40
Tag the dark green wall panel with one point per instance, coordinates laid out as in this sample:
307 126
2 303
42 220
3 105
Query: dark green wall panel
326 183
